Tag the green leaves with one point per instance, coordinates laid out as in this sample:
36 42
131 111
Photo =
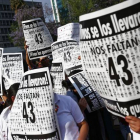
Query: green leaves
77 8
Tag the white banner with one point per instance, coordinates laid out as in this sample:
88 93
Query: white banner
68 52
33 112
83 87
12 68
58 75
110 51
1 53
38 38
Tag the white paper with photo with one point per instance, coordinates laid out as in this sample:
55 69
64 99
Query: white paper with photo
109 44
38 38
33 112
12 68
84 89
1 53
68 52
57 73
68 31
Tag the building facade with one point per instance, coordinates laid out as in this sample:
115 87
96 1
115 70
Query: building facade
55 10
59 12
6 20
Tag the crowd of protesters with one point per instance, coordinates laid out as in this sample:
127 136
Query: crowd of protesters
75 122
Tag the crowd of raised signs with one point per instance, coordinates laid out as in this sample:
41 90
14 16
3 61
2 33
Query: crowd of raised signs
71 88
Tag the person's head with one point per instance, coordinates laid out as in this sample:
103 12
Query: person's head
35 63
45 62
12 91
67 84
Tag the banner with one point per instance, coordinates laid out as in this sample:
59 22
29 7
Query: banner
58 75
12 68
82 85
33 112
110 51
1 52
38 38
67 52
68 32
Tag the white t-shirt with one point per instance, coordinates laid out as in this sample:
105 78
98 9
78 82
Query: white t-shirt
68 115
4 118
136 136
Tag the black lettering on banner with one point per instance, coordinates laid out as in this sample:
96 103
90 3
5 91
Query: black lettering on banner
130 77
67 56
115 76
25 115
38 38
112 68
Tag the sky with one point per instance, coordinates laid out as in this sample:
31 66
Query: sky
43 4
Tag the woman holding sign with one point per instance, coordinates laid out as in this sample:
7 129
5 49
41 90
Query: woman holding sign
5 115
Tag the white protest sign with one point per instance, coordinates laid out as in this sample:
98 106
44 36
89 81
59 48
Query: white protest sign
110 51
58 75
68 52
38 38
12 68
82 85
1 52
33 112
68 32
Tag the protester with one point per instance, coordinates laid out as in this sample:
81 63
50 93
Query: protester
95 131
5 115
70 118
74 120
134 124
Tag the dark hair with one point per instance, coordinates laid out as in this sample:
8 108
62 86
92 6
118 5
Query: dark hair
12 91
25 65
3 87
67 84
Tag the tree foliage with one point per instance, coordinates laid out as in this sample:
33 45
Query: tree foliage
77 8
16 4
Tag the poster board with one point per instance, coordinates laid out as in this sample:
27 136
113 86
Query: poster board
1 53
110 48
32 114
12 68
84 89
57 72
68 32
67 51
38 38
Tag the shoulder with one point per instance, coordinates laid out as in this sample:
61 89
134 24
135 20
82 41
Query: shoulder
64 100
63 97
